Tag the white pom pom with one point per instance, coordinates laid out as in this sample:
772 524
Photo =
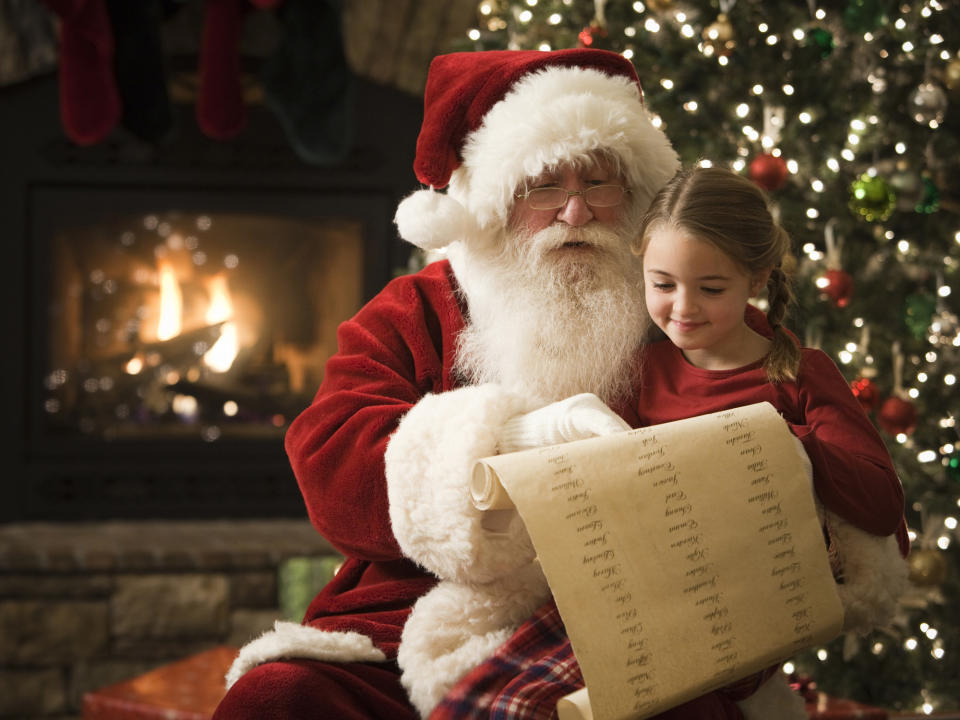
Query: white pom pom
432 220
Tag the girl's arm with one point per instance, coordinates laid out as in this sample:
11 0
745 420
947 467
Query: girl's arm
853 472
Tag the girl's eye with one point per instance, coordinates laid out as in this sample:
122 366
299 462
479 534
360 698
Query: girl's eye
712 291
662 286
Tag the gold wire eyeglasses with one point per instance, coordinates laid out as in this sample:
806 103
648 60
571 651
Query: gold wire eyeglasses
551 198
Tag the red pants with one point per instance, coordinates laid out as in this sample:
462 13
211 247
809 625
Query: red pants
308 689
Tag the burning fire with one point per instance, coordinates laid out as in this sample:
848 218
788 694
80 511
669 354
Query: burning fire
220 357
171 303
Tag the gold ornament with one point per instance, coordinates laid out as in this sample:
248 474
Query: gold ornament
719 36
951 76
928 567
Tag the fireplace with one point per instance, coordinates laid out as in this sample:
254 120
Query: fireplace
172 310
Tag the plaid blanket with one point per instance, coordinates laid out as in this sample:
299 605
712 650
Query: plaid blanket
526 676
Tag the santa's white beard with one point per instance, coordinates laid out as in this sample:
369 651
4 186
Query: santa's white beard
551 322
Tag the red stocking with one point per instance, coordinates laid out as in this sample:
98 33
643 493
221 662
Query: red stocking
221 113
89 103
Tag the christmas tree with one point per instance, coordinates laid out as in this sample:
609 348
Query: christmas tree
842 112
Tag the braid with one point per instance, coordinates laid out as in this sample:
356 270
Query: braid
783 360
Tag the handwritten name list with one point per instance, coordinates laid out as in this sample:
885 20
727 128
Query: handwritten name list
682 556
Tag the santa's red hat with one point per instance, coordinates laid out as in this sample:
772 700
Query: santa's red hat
493 119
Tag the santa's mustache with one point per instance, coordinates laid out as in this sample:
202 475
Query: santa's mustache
559 235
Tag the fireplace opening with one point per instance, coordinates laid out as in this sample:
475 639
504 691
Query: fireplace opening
176 337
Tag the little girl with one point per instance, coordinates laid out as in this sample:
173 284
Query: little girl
709 243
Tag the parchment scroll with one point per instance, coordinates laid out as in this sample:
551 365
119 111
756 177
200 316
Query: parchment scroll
682 556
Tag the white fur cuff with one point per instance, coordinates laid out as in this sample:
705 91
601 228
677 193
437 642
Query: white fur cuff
289 640
429 461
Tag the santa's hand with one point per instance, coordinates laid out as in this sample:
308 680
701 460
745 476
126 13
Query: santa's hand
578 417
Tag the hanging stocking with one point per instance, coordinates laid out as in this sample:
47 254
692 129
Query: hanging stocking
89 102
308 84
139 71
220 109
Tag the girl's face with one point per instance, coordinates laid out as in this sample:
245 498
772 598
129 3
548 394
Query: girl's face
697 295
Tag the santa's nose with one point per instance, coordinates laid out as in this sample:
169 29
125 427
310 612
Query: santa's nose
575 211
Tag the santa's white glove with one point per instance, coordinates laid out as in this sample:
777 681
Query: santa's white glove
578 417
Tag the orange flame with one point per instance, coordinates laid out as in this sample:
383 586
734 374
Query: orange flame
171 303
220 357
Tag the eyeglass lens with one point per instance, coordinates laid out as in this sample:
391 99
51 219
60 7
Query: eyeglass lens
551 198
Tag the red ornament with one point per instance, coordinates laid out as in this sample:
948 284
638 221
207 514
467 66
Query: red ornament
865 391
768 171
590 34
897 416
838 287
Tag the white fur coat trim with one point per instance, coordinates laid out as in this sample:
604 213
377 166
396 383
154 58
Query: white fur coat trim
774 700
289 640
874 576
456 626
429 461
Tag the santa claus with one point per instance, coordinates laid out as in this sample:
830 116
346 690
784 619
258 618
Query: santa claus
528 334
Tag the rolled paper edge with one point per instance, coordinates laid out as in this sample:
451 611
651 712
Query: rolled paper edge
486 490
575 706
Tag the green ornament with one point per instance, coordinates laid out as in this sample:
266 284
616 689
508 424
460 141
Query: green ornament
919 313
872 198
822 40
930 201
864 15
953 467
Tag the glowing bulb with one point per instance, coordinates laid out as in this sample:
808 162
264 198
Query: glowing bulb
927 456
910 644
742 110
473 34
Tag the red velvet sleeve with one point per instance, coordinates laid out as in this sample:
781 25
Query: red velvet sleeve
395 350
852 469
